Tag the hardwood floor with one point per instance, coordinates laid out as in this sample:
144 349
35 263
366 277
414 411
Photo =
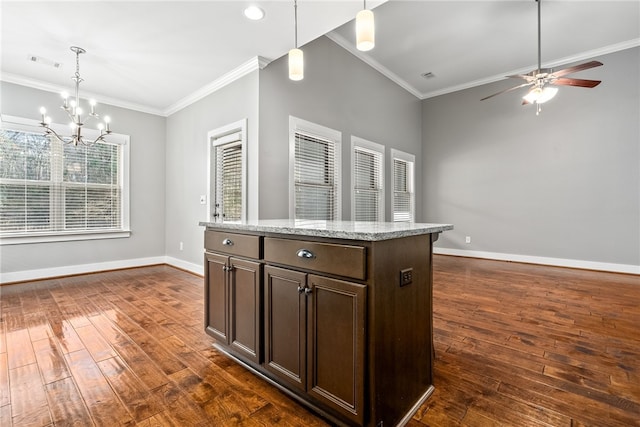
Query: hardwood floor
516 345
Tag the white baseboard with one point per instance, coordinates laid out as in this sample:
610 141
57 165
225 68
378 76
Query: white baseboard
184 265
557 262
68 270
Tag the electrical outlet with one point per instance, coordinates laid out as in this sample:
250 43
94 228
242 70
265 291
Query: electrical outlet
406 276
203 200
467 239
181 246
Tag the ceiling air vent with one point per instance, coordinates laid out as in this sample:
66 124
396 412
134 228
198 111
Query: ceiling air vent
44 61
428 75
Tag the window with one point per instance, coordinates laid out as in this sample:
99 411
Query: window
315 171
227 172
367 179
403 198
52 191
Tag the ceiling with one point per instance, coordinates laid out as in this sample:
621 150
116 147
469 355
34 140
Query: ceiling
157 56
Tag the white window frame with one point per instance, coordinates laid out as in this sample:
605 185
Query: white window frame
223 135
377 150
29 125
299 125
410 159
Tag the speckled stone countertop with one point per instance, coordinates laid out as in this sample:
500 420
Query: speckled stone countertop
352 230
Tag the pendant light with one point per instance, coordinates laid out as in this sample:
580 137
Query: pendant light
296 57
365 29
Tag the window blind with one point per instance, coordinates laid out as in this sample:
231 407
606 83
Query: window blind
229 181
402 191
46 186
315 178
367 185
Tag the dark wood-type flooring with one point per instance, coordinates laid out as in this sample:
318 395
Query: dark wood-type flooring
516 345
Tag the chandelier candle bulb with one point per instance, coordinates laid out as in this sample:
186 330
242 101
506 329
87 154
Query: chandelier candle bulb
43 111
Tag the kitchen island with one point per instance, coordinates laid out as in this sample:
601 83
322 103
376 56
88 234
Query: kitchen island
337 314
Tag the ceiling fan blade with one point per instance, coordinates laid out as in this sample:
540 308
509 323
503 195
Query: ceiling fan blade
564 81
506 90
576 68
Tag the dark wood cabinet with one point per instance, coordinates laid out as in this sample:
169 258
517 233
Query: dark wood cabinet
315 337
233 310
343 326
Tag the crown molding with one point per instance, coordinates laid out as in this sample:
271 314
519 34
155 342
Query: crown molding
255 63
590 54
48 87
347 45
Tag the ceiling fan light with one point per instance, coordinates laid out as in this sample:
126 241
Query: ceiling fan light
540 95
296 64
365 30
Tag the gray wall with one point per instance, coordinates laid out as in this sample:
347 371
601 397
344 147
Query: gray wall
147 171
340 92
186 161
564 184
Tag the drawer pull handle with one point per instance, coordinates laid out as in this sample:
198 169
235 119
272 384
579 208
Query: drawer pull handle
227 242
306 254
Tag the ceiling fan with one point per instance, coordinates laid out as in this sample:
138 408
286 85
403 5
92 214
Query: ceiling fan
543 80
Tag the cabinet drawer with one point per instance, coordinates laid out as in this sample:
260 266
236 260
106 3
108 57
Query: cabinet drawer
342 260
232 243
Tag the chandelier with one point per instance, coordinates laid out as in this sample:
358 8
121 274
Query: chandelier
75 113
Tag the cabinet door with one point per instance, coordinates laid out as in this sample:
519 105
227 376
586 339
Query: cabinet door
336 344
244 310
285 325
216 297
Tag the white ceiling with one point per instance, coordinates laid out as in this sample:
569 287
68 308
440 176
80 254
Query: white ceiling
157 55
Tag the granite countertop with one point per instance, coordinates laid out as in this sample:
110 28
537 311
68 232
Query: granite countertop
353 230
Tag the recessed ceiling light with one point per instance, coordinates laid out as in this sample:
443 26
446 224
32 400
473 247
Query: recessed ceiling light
254 13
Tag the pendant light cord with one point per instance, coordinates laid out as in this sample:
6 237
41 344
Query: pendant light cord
295 22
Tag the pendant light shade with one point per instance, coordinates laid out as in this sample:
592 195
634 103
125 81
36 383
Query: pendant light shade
365 30
296 64
296 57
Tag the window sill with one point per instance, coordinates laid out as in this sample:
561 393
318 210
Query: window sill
21 239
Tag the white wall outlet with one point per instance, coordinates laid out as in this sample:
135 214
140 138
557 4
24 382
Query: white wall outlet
181 246
467 239
203 200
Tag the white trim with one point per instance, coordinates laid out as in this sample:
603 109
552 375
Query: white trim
557 262
299 125
185 265
255 63
48 87
219 136
30 125
62 236
45 273
347 45
374 148
411 160
367 59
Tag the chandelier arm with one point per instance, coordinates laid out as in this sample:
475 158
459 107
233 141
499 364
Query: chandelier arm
51 132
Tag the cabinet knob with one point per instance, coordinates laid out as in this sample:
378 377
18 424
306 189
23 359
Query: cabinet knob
300 289
227 242
308 291
306 254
